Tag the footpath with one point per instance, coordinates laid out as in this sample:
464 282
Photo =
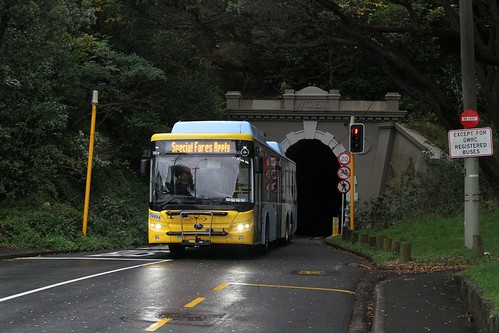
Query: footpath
425 302
15 253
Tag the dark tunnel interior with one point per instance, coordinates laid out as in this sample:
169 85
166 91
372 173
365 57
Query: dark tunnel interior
318 198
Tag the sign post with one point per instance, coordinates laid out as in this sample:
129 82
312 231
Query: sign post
468 75
343 186
470 143
95 101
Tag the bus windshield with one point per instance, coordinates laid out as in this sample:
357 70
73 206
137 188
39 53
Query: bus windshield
200 180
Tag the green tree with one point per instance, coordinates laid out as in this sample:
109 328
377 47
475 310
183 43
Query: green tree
411 46
49 65
416 43
171 36
35 46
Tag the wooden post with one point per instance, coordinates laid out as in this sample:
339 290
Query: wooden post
364 238
387 245
372 241
405 252
355 237
344 233
395 246
478 245
379 242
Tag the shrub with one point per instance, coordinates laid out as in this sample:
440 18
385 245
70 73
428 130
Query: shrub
437 192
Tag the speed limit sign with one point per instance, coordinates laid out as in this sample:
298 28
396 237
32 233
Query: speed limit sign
344 158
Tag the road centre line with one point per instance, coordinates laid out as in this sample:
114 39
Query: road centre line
220 287
198 300
293 287
163 321
194 302
158 324
77 280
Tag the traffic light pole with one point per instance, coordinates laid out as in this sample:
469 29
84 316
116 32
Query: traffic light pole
352 192
352 184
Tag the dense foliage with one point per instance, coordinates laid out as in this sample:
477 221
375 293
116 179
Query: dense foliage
415 195
157 62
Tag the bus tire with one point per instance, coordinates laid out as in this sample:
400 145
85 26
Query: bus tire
287 235
266 243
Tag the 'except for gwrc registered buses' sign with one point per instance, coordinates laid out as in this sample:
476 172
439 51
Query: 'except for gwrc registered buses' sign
471 142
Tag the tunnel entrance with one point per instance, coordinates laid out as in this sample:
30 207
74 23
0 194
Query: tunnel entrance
318 198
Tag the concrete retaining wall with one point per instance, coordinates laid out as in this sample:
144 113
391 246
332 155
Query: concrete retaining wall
482 309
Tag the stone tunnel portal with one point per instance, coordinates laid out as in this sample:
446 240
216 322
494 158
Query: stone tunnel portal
318 199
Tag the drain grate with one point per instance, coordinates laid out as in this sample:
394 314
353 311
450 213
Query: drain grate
183 317
177 316
310 272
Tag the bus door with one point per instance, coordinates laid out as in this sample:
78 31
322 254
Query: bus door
279 205
272 176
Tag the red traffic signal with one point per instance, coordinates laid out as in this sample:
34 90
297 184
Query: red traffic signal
356 138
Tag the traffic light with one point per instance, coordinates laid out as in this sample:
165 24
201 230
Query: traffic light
356 138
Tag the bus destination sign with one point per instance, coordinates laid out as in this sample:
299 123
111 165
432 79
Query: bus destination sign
200 147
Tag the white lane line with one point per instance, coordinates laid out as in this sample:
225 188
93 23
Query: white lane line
77 280
89 258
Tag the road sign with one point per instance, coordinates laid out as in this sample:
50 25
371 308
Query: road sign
344 158
473 142
343 186
343 172
469 118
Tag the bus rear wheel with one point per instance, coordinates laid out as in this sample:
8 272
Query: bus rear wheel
266 245
287 235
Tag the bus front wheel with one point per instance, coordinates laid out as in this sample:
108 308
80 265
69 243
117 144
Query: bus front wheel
176 249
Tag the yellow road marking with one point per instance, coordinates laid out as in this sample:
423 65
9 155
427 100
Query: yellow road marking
158 324
294 287
220 287
198 300
194 302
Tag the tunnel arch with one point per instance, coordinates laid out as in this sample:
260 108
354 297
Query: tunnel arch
315 154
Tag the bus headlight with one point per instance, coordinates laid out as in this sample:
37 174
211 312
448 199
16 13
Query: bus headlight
241 226
157 226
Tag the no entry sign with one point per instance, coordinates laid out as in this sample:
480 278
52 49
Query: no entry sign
469 118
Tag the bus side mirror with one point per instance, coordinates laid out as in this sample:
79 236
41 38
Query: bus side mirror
144 167
258 164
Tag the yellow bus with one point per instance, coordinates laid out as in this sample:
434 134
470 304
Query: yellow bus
219 182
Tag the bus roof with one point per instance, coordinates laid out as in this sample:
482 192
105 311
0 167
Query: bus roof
276 146
218 126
